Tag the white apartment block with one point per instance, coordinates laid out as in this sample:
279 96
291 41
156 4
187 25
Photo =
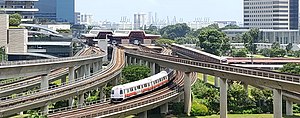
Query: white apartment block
271 14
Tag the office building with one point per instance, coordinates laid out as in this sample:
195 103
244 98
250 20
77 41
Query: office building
139 21
57 10
77 18
24 7
86 19
271 14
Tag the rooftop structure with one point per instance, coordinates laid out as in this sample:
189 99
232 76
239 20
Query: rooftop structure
24 7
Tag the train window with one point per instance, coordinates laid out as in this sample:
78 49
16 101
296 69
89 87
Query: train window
121 92
138 87
145 85
131 89
135 88
148 84
127 90
112 91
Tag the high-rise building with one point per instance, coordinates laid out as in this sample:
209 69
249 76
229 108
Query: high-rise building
58 10
139 21
24 7
86 19
77 17
271 14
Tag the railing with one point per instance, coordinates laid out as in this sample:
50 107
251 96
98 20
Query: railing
134 105
228 68
11 63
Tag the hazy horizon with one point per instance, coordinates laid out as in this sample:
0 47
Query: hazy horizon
112 10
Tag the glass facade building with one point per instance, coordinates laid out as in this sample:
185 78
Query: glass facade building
58 10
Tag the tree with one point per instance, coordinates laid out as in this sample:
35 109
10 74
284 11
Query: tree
293 68
186 40
214 42
174 31
15 19
289 47
164 41
239 53
230 26
134 73
152 30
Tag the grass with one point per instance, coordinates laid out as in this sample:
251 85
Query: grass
16 27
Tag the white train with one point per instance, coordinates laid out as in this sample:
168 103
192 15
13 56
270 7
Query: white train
129 90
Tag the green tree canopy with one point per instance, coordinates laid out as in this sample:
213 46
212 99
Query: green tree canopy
15 19
174 31
134 73
214 41
293 68
289 47
186 40
249 39
164 41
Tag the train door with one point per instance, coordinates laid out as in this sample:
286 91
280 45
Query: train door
139 90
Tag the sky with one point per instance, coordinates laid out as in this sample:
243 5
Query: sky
112 10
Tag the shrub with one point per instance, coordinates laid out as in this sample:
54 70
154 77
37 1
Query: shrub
15 19
199 109
177 108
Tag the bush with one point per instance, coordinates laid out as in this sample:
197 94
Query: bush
134 73
15 19
177 108
199 109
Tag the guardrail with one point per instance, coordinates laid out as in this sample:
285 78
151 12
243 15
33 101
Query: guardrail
11 63
229 68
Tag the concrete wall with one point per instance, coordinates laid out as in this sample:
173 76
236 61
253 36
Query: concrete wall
102 44
4 24
147 41
17 40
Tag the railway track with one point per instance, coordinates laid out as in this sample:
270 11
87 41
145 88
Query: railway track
68 90
31 83
107 106
104 109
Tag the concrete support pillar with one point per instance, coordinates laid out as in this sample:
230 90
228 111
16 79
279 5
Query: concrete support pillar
134 61
88 70
115 81
143 114
187 94
289 108
45 82
153 68
130 61
217 79
82 71
164 108
21 113
80 99
141 62
71 74
100 64
205 78
45 109
223 98
101 93
147 63
277 103
71 101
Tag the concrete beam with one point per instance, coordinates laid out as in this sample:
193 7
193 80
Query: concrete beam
277 103
100 62
289 108
143 114
223 98
217 80
164 108
205 78
45 82
187 94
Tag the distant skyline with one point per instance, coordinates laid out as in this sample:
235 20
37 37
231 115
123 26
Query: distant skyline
112 10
